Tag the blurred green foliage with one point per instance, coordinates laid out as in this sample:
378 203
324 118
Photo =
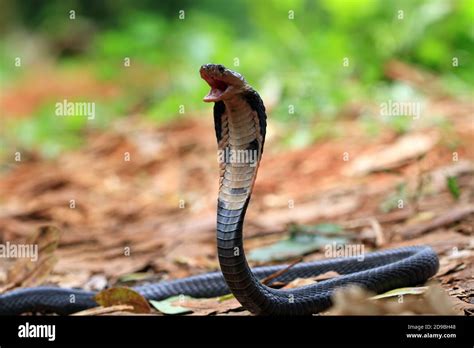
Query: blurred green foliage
304 54
46 131
453 186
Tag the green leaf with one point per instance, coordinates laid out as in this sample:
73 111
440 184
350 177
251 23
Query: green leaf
296 245
133 277
226 297
453 186
401 291
324 228
168 307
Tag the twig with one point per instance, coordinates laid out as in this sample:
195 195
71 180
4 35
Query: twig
104 310
272 276
379 236
445 219
395 216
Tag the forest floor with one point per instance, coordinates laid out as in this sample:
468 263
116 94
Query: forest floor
137 204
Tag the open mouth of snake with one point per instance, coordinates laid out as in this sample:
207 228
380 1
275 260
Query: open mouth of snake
218 88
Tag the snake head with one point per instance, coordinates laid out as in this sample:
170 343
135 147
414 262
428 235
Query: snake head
224 82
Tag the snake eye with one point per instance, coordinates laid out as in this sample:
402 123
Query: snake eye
221 68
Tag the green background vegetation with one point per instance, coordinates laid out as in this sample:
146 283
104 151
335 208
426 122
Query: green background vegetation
302 57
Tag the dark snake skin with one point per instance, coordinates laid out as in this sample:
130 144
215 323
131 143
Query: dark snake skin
240 123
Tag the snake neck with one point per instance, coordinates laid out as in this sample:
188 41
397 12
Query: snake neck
240 122
240 150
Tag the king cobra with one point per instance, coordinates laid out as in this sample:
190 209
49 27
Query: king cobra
240 126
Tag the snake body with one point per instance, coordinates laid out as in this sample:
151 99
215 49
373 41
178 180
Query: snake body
240 125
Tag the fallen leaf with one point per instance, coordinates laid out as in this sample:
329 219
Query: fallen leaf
326 276
40 273
97 282
401 291
134 277
197 306
299 282
33 270
446 218
460 254
355 300
391 156
306 212
439 301
208 306
70 279
453 187
297 244
462 307
123 296
226 297
104 310
239 313
169 306
449 266
422 216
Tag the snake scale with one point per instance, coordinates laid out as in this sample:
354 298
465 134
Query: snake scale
240 126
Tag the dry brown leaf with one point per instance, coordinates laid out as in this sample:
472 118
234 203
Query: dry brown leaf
71 279
327 275
97 282
462 307
123 296
307 212
104 310
393 155
356 301
40 273
452 215
298 282
27 272
449 266
209 305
